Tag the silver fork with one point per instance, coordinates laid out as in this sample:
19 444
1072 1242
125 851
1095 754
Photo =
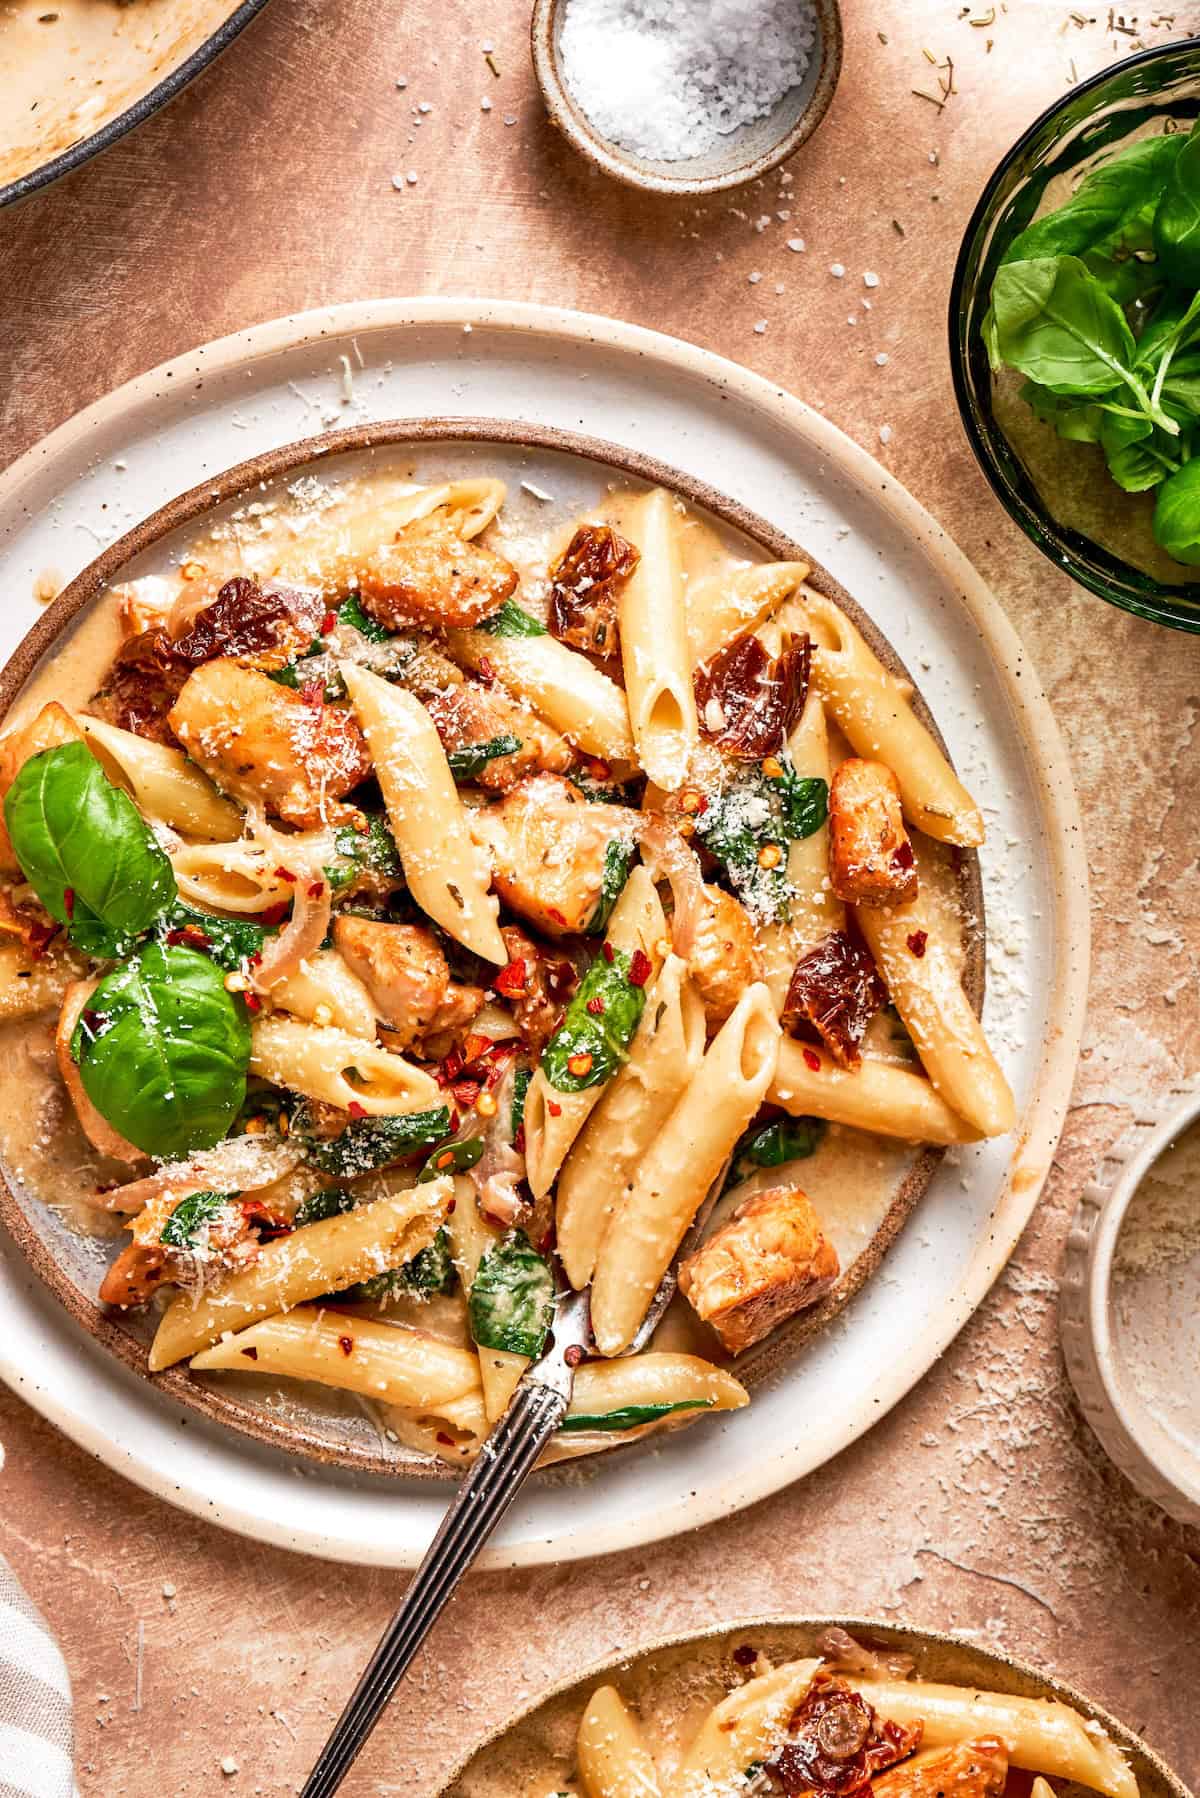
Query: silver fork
504 1462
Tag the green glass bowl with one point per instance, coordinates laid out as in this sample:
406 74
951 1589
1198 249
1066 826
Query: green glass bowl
1060 493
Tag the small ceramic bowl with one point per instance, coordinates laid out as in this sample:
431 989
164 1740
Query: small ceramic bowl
745 154
1129 1300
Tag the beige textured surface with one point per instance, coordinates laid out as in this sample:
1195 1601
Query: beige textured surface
982 1503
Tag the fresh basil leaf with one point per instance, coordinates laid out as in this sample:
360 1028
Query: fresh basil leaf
230 941
512 1301
452 1158
521 1079
1177 515
351 612
1056 324
189 1217
466 763
629 1417
371 850
618 856
1136 452
512 620
1177 219
597 1041
1111 209
775 1144
163 1051
369 1143
331 1201
85 849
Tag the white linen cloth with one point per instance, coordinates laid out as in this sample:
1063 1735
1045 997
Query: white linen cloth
36 1730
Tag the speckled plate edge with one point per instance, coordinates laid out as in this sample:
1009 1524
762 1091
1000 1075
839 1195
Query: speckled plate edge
172 83
1042 1122
1110 1404
938 1655
221 1400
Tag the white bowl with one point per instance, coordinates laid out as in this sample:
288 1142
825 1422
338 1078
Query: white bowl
1135 1371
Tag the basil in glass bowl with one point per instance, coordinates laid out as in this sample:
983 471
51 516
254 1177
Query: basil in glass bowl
1075 334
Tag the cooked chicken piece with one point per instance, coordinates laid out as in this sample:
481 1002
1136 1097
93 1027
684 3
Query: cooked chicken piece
723 957
547 845
140 611
468 715
535 986
260 741
968 1770
408 978
769 1260
226 1240
96 1128
28 923
135 1276
52 726
429 576
870 856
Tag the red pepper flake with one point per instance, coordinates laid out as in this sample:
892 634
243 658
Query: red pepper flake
554 1110
69 902
189 936
356 1110
450 1207
608 952
253 1002
812 1060
519 1139
640 968
316 889
580 1064
487 673
903 856
596 1006
285 874
446 1441
313 692
453 1065
744 1655
328 623
599 770
475 1047
512 981
346 1344
467 1091
251 1354
555 916
275 914
917 941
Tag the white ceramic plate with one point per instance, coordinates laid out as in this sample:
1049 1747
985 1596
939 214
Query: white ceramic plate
104 470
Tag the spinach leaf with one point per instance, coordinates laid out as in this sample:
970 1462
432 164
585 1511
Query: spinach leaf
512 620
315 665
594 1037
369 1143
1056 324
331 1201
617 859
85 849
190 1216
1111 210
465 763
773 1145
521 1079
803 801
1177 220
230 941
373 850
1177 515
452 1158
163 1051
512 1301
430 1270
351 612
752 812
628 1417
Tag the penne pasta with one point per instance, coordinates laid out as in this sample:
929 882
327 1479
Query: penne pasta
393 1363
329 555
655 1378
442 866
1040 1735
613 1760
654 646
165 785
663 1057
553 1119
471 1236
319 1258
558 682
29 987
873 710
876 1095
927 992
325 991
742 1729
234 877
452 1436
814 909
685 1158
728 604
335 1068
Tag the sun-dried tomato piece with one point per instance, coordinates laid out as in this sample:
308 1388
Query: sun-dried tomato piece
29 923
835 991
836 1743
748 700
583 589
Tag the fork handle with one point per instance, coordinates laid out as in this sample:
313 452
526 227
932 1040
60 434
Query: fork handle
503 1463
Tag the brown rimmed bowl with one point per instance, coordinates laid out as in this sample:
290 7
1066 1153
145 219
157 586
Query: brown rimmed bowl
744 155
534 1750
310 1421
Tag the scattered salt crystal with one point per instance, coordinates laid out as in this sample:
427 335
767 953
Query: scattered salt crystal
853 319
754 278
881 361
668 80
398 183
510 118
411 177
485 104
885 433
424 106
760 224
761 326
870 279
837 270
779 287
796 244
784 215
401 81
229 1766
168 1590
486 49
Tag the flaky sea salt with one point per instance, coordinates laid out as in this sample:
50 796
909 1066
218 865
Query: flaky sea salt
668 79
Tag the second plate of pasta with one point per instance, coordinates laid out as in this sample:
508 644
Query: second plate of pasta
413 882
